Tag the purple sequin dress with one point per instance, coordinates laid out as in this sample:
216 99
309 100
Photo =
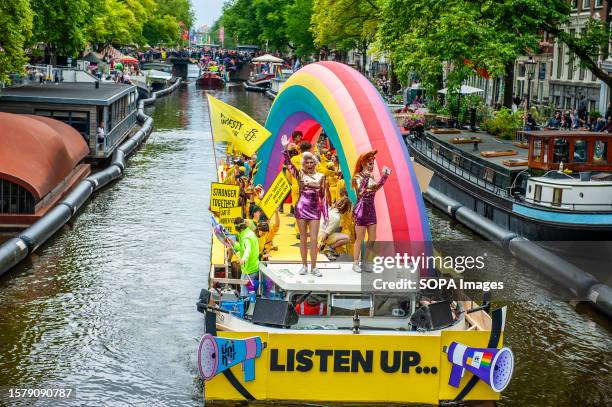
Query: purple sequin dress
364 212
311 204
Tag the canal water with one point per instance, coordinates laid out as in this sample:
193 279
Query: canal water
108 305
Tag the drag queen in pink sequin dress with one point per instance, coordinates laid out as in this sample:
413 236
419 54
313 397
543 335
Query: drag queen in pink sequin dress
311 205
364 213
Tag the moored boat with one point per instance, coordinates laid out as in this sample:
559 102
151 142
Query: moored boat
545 186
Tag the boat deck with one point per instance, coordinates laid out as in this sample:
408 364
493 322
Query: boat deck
288 245
488 143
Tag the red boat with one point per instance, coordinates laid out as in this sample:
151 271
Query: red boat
210 80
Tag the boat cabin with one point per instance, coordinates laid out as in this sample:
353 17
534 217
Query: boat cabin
81 105
578 150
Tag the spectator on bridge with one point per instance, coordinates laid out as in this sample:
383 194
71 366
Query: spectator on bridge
554 122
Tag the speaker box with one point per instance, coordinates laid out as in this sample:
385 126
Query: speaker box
274 312
433 316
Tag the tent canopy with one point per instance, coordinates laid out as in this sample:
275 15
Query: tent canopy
465 90
267 58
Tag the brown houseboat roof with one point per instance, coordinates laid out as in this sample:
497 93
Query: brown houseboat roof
37 152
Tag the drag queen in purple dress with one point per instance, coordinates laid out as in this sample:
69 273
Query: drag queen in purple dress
310 205
364 213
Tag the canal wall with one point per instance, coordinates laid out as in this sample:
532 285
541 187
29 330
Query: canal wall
581 283
16 249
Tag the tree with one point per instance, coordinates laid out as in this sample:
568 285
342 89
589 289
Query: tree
240 23
270 18
347 24
162 25
16 23
60 25
297 21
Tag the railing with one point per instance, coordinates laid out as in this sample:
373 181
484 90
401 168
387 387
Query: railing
116 134
465 167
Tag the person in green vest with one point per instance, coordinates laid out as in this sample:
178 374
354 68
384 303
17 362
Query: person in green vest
247 250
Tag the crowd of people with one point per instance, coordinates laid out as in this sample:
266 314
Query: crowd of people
326 220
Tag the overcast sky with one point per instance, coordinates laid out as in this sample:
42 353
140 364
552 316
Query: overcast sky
207 11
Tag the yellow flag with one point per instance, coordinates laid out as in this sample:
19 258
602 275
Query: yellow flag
275 196
236 127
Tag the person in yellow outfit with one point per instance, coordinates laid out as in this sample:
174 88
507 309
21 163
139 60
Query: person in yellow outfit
265 234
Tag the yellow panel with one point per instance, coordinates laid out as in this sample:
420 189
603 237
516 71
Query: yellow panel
220 389
477 339
404 385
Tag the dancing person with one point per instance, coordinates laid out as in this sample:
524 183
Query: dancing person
364 213
310 205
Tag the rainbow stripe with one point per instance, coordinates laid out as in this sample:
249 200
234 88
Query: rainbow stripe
486 359
340 100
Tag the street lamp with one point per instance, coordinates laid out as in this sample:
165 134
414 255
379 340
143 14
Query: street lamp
530 66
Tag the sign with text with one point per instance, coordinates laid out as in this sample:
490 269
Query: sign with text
227 216
275 196
223 196
386 369
236 127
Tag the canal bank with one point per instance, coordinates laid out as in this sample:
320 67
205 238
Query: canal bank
25 243
108 307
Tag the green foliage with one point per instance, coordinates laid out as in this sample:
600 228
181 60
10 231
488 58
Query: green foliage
61 25
16 23
503 125
346 24
240 23
594 114
297 20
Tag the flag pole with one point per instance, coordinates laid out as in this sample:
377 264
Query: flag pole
212 136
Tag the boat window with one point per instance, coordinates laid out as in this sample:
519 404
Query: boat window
270 289
557 196
347 304
391 306
536 152
456 158
561 150
600 151
580 151
545 153
489 174
537 195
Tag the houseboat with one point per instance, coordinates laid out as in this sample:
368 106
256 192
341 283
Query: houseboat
41 161
545 185
84 106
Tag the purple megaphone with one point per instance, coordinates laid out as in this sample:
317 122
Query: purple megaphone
493 366
217 354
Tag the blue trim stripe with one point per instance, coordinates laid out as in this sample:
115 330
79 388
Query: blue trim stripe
564 217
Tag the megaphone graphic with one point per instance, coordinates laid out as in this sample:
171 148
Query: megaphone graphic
218 354
493 366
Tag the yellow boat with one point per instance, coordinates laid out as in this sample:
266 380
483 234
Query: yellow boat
326 339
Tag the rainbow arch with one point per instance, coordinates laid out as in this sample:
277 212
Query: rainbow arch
341 101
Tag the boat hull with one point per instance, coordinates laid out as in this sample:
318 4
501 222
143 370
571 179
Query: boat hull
210 82
339 366
260 86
